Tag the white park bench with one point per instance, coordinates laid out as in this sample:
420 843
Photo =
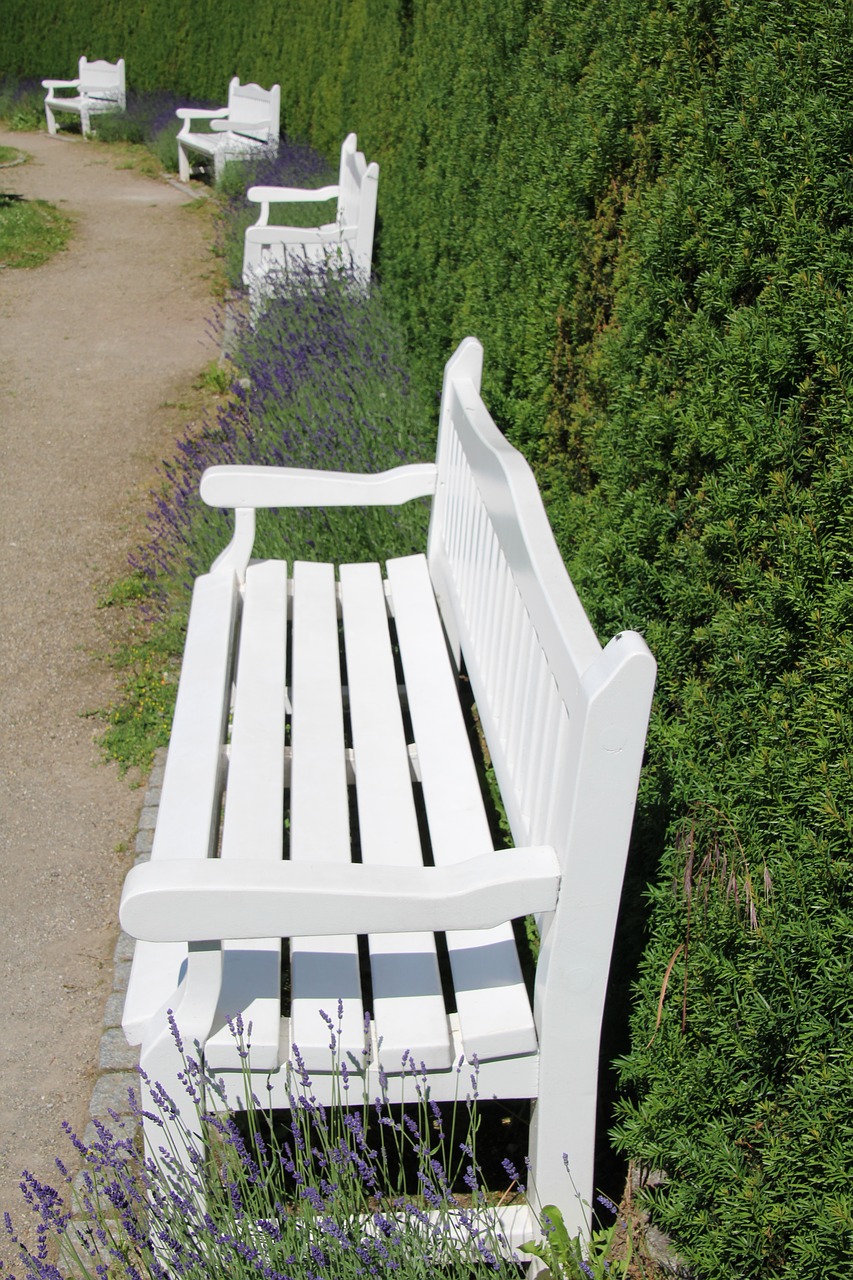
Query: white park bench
346 701
99 87
247 128
347 241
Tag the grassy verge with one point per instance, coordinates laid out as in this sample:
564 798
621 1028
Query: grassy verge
22 105
31 231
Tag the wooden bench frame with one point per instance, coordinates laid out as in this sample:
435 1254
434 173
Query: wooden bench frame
249 126
347 241
100 87
564 721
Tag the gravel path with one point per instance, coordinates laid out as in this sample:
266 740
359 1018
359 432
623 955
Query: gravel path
95 347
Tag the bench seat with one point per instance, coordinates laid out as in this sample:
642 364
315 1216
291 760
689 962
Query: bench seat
346 704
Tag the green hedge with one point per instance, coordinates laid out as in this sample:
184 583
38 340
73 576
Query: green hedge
645 210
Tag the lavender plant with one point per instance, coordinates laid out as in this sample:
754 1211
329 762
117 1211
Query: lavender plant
320 381
311 1198
21 103
325 386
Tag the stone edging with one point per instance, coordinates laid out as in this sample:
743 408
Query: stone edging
117 1060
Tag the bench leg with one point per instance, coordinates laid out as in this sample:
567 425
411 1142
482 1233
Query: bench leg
562 1149
51 120
183 164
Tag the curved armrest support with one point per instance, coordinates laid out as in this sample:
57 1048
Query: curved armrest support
301 487
188 901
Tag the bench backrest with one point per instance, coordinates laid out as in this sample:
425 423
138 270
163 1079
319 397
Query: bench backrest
256 112
100 79
564 720
358 184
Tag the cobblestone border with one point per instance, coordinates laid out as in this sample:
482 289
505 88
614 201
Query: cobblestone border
117 1060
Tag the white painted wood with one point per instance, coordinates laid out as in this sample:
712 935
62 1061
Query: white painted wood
347 241
100 86
247 127
189 811
253 823
233 486
564 722
250 898
493 1078
323 970
408 1004
156 973
195 765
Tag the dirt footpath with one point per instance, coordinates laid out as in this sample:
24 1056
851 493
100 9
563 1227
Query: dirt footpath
94 348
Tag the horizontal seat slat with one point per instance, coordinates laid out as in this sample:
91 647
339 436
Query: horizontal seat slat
323 970
491 998
188 825
188 817
253 811
408 1004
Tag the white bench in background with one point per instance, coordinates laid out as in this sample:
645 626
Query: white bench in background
100 87
347 241
341 680
248 127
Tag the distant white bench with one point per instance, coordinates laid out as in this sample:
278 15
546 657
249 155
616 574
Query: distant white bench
348 240
248 127
99 87
346 700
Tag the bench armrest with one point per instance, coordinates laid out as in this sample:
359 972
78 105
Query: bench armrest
60 84
200 113
189 901
301 487
291 195
247 488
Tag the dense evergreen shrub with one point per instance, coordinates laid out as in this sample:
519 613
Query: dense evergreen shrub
645 210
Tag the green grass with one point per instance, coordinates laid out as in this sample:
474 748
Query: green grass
11 155
31 231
